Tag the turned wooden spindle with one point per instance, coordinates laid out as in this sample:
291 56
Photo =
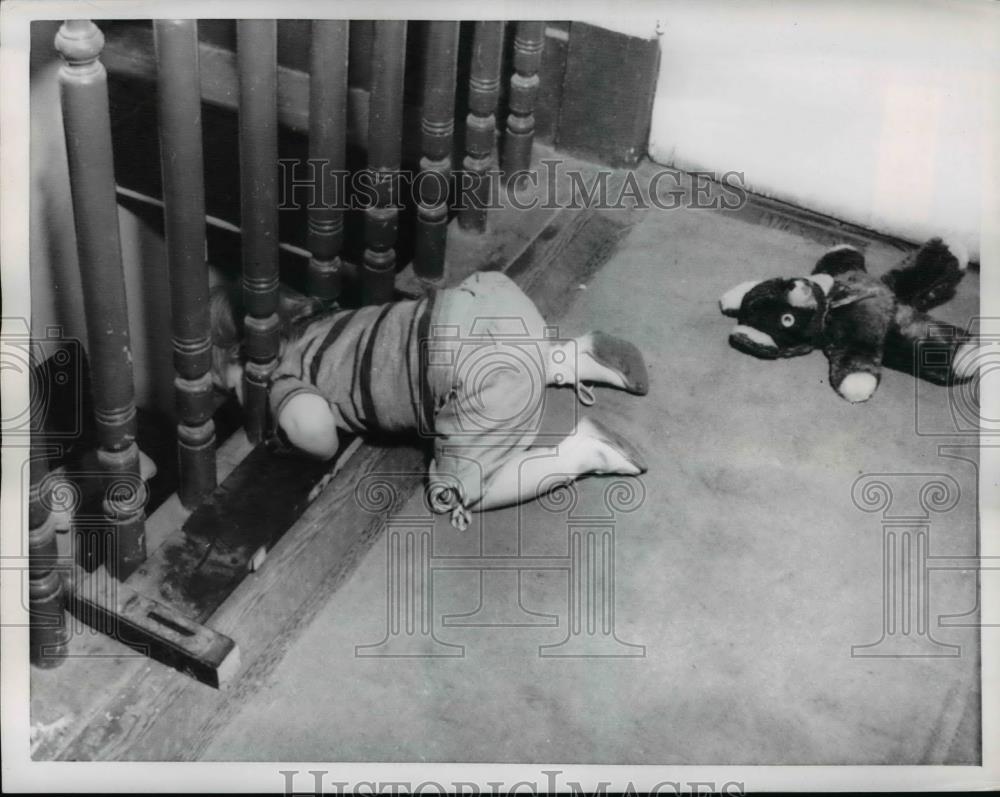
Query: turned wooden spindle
528 43
182 165
87 125
49 630
257 47
480 125
437 126
327 147
362 32
385 131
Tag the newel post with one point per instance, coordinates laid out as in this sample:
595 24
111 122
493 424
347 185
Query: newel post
87 125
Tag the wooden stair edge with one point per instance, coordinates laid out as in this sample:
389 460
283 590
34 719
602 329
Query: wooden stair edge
167 635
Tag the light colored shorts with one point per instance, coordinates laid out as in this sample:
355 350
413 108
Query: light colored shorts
486 362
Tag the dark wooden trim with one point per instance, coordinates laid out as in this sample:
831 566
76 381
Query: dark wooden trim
197 567
86 119
156 630
607 96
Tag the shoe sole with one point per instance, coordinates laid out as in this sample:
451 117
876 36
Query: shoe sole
622 356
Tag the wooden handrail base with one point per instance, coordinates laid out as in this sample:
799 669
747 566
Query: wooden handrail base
160 609
154 629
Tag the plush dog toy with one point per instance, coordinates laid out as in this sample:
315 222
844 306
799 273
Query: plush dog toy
859 321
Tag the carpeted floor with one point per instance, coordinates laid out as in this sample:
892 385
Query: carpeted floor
746 571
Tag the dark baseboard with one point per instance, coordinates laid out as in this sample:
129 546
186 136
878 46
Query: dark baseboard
607 95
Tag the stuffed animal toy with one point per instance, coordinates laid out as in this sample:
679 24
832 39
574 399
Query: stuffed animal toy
859 321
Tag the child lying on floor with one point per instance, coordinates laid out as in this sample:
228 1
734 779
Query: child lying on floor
466 366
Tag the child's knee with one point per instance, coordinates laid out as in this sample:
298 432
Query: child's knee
309 425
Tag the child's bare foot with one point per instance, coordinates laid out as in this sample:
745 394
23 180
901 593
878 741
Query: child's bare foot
613 361
598 358
605 451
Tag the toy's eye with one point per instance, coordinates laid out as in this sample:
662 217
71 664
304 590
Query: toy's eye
788 320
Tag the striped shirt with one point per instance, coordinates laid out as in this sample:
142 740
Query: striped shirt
368 363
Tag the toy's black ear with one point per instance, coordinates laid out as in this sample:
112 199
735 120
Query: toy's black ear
839 259
731 300
753 341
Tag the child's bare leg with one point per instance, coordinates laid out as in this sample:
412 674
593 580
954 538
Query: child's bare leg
592 448
600 358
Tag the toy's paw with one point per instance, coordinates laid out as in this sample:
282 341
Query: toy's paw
752 341
858 387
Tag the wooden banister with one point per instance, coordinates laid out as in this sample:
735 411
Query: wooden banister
437 126
182 165
257 59
480 126
528 44
385 133
327 152
49 631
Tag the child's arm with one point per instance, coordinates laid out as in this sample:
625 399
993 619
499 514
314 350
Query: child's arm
305 417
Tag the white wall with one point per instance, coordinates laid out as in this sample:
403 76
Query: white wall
878 113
